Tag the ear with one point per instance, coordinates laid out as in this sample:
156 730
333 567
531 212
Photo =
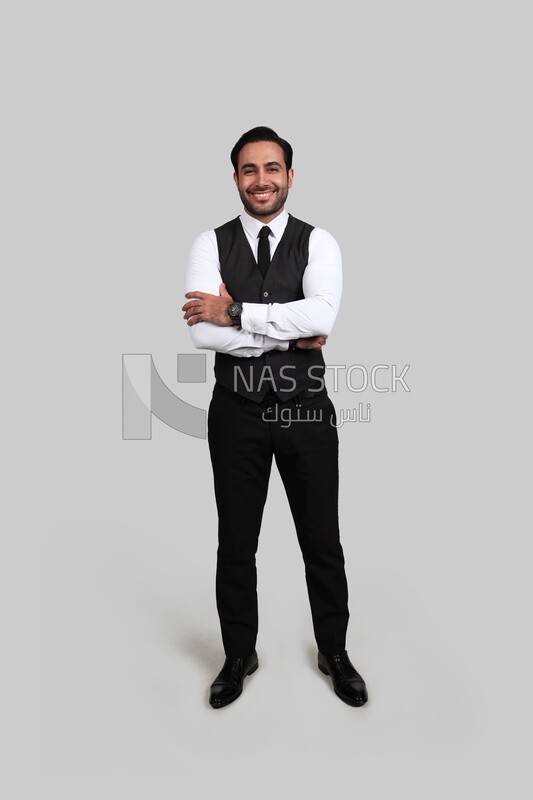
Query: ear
235 178
290 177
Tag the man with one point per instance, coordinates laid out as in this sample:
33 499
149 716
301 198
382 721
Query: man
263 292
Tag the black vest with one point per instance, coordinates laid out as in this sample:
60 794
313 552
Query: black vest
284 372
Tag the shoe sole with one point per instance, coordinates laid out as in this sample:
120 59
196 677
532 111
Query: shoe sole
356 703
229 702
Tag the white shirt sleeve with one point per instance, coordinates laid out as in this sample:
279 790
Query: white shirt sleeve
203 275
322 288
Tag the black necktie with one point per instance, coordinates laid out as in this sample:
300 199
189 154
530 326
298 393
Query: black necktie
263 250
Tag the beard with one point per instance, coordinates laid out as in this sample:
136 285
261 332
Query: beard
258 209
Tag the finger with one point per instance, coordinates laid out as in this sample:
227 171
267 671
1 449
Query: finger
199 295
190 304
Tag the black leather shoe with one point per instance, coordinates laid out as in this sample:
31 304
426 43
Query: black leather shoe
347 682
227 685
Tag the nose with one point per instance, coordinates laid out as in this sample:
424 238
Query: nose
262 177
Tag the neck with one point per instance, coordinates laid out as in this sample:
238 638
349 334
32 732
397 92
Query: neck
268 218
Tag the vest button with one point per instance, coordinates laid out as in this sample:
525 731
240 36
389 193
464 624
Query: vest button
265 294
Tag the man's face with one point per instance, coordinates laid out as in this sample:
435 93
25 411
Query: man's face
262 179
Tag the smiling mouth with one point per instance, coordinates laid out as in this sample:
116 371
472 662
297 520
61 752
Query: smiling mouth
262 195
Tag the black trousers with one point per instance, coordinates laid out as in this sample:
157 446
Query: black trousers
243 436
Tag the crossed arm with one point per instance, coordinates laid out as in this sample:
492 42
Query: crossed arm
264 327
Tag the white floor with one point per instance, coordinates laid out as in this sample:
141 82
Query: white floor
132 644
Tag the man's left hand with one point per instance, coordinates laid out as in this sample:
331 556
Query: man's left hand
204 307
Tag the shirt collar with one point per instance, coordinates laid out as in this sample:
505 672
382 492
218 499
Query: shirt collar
252 226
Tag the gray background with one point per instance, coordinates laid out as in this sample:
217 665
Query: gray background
411 124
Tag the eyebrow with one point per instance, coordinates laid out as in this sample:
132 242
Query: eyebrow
268 164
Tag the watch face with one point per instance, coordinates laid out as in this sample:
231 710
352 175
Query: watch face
234 309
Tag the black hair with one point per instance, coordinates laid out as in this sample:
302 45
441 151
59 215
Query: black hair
261 134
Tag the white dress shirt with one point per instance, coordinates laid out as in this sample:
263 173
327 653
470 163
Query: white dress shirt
268 326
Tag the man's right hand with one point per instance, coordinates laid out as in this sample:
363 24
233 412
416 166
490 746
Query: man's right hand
310 343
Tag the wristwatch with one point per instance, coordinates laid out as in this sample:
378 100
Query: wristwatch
235 311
